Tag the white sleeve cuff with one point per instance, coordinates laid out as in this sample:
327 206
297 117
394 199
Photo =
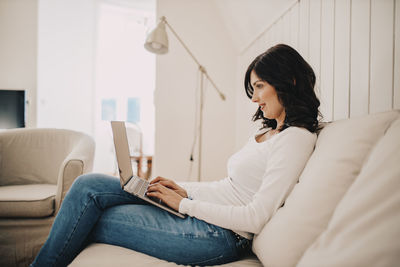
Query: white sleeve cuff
184 205
190 189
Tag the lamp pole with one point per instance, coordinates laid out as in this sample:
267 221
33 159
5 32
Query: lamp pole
203 73
200 122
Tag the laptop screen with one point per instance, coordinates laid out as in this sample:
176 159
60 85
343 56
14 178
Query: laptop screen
122 151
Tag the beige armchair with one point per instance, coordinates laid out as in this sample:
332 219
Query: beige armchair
37 167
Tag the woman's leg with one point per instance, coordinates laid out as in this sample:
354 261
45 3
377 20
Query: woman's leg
155 232
90 195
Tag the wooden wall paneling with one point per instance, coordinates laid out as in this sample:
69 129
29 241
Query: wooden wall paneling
304 21
267 39
273 35
279 31
315 41
396 67
260 45
294 26
359 56
381 80
286 28
327 58
342 60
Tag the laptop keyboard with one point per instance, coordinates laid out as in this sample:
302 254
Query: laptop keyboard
138 186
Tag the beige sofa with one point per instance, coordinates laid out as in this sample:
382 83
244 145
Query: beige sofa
345 210
37 167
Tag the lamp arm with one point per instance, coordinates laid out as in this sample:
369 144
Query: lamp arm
201 67
215 86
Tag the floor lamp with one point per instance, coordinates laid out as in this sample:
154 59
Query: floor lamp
157 42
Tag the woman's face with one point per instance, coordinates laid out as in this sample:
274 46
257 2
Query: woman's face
266 97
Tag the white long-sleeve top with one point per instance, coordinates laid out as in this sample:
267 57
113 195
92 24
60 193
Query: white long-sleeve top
260 177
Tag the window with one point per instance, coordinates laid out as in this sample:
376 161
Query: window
124 75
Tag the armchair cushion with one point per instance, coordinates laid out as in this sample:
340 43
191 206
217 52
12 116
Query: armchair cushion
35 200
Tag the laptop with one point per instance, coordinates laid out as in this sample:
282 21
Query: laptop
131 183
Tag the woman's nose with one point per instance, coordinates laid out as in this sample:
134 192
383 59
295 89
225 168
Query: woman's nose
254 98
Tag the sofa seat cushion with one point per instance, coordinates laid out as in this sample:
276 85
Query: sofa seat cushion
108 255
31 201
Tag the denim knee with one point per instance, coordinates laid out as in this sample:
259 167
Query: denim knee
86 178
83 181
90 183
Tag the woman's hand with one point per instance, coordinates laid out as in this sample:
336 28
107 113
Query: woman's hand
171 185
167 195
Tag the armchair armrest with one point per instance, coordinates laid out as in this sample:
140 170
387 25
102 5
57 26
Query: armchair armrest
78 162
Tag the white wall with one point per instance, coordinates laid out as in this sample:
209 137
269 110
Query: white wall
353 46
18 46
66 64
201 28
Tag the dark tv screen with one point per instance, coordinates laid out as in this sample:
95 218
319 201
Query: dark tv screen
12 109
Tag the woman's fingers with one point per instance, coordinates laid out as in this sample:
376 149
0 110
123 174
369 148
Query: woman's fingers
155 180
167 195
169 184
158 179
155 194
155 187
165 182
158 187
155 191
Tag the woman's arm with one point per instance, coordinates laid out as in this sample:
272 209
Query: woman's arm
171 193
289 155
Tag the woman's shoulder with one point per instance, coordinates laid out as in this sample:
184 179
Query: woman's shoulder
299 130
294 141
292 130
297 134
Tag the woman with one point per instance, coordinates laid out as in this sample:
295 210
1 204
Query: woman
223 215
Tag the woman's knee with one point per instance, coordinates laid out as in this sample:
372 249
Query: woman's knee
84 180
93 182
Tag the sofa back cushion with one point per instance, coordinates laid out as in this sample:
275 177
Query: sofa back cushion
365 227
340 152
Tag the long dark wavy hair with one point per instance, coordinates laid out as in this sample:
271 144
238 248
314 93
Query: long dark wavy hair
294 80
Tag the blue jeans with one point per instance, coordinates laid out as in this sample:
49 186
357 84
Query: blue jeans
96 209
